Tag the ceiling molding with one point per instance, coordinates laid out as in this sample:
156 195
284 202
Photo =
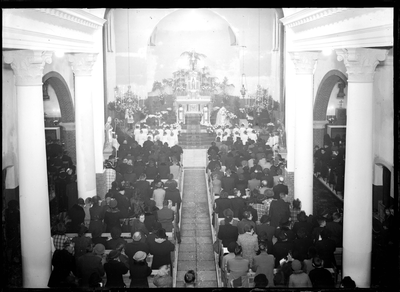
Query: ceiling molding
78 16
307 15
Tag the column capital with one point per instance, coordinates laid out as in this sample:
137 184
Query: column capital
27 65
82 63
304 62
361 63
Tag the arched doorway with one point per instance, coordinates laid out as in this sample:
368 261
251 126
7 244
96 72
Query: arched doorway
67 122
330 82
383 186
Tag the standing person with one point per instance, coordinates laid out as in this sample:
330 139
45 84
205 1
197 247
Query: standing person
86 208
110 174
319 276
265 231
77 216
139 270
91 263
238 266
166 217
115 270
264 263
249 243
96 215
71 191
112 216
159 194
59 238
280 188
142 186
279 210
161 250
64 267
82 244
299 279
172 193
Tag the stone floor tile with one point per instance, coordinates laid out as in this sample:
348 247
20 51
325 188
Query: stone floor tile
191 233
180 284
202 226
186 265
204 239
188 226
209 284
206 276
201 232
187 256
205 266
187 247
187 239
204 256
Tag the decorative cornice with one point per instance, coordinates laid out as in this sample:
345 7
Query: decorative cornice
82 64
304 62
75 15
361 62
27 65
308 15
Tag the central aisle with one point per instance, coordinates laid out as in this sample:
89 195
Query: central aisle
196 250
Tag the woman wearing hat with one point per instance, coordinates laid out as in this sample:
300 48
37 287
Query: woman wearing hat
112 216
163 279
139 271
115 270
299 278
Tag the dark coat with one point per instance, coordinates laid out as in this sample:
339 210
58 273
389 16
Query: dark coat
237 204
227 234
326 249
165 217
143 187
133 247
87 265
228 183
281 250
174 195
161 253
221 204
111 219
301 247
321 278
139 273
280 188
279 212
77 216
114 271
63 264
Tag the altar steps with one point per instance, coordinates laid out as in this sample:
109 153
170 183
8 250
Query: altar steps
195 140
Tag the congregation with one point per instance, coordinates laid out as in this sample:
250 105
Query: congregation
259 229
143 201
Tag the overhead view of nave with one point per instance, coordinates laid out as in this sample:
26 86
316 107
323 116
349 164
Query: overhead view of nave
199 148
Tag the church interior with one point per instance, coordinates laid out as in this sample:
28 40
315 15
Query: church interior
211 104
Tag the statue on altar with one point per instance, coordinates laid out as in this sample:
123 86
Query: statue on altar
193 58
222 117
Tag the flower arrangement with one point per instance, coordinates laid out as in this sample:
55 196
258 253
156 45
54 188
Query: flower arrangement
127 101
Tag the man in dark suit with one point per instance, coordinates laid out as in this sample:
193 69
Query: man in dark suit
279 210
228 182
166 217
142 186
227 233
280 188
326 248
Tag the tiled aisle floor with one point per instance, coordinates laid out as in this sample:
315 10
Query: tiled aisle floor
196 251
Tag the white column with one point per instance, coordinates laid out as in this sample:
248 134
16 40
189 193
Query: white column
85 151
290 126
357 212
303 151
33 189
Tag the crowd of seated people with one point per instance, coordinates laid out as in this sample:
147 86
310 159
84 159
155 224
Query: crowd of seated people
143 199
260 230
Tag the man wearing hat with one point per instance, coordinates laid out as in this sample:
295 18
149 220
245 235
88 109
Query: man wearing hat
91 263
115 270
280 188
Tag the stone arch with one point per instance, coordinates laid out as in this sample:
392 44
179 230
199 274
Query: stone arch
63 95
67 111
324 93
